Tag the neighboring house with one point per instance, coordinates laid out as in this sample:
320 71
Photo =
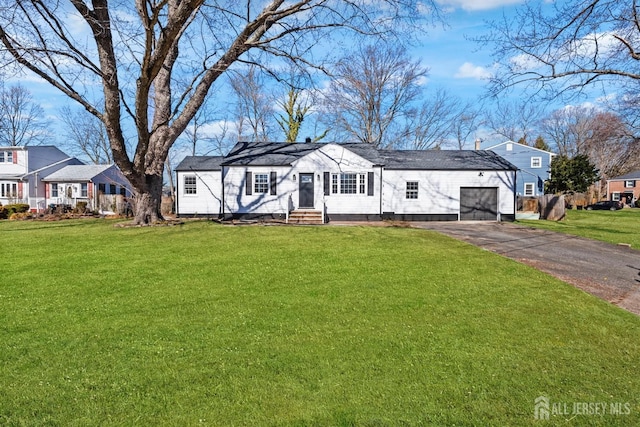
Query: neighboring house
22 170
347 182
534 166
625 188
97 185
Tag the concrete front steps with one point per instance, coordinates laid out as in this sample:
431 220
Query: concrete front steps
305 216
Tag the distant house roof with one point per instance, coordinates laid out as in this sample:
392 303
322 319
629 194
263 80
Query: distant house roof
200 163
283 154
77 173
520 146
628 176
445 160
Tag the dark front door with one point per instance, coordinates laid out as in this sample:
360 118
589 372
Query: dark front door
306 190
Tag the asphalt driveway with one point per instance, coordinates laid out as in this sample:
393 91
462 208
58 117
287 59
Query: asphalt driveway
610 272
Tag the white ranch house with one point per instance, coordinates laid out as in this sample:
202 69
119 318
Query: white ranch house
346 182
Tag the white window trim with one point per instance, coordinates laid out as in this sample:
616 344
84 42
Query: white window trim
615 196
360 184
539 161
533 189
185 185
264 183
629 181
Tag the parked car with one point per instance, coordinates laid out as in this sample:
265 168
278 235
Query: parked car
609 205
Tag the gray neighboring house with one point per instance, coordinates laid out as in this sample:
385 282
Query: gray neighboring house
346 182
97 185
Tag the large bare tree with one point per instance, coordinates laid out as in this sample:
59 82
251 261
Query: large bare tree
565 47
378 96
22 120
155 60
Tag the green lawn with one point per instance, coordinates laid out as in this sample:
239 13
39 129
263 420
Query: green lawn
204 324
614 227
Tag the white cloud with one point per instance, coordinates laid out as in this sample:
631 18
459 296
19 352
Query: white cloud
470 71
473 5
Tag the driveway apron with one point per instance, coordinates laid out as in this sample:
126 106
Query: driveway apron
610 272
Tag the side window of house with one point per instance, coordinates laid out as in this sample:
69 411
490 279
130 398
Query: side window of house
1 156
261 183
83 190
123 191
412 190
529 188
54 190
629 184
536 162
102 188
615 196
9 156
112 189
190 186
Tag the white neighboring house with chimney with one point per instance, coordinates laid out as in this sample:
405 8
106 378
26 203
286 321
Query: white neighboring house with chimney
22 170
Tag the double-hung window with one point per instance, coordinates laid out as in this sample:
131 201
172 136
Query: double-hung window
190 186
54 189
261 183
529 188
83 190
536 162
629 184
412 190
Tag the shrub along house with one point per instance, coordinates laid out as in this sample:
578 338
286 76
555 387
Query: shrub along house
95 186
347 182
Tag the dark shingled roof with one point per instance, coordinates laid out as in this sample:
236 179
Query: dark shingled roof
200 163
444 160
283 154
629 176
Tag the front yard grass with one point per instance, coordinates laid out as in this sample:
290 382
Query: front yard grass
615 227
204 324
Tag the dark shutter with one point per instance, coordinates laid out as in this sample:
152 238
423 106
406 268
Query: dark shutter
370 184
247 184
634 183
272 183
327 183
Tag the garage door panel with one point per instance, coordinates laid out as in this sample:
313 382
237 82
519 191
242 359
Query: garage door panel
478 204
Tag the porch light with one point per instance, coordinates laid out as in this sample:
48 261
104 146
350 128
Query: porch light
294 177
480 173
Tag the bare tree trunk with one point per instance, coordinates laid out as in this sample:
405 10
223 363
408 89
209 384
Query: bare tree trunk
147 201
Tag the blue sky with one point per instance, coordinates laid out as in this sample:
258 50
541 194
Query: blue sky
455 63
